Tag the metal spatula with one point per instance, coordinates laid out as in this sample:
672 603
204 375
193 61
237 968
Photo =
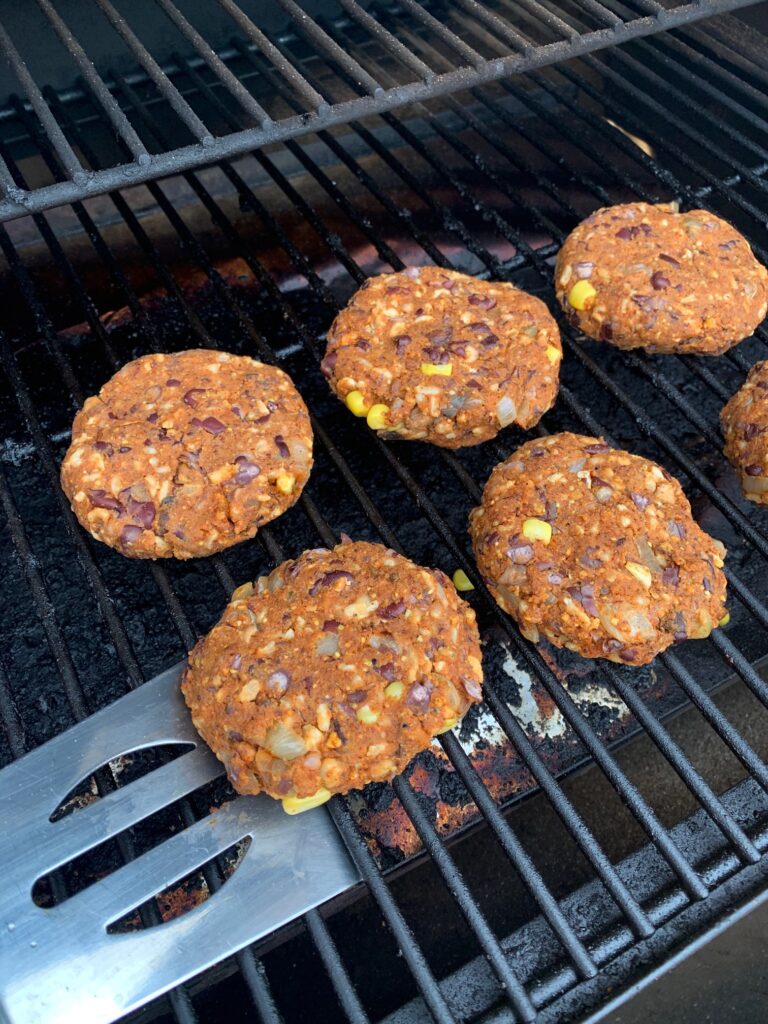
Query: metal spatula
60 964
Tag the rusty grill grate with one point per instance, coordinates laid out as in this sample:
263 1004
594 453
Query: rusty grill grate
487 180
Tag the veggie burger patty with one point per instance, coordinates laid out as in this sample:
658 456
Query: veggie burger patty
332 672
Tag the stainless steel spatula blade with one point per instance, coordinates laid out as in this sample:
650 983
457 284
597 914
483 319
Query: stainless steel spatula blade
60 964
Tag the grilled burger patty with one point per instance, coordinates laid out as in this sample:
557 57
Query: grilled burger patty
332 672
186 454
744 420
596 550
643 276
434 355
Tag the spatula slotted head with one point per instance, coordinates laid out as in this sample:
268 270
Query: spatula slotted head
61 963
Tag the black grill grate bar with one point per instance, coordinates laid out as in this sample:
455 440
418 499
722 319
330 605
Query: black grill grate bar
599 10
14 730
747 598
412 952
96 83
693 365
234 86
329 48
454 881
685 769
58 139
730 735
437 28
650 7
549 17
570 817
265 46
725 42
719 95
498 26
334 965
387 40
155 72
517 855
733 656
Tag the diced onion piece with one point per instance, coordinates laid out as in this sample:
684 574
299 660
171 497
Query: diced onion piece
327 644
394 691
506 411
367 715
299 452
530 632
284 743
510 601
640 572
755 484
637 624
297 804
646 555
514 576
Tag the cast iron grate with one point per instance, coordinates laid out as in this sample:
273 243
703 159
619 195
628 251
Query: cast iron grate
80 623
483 41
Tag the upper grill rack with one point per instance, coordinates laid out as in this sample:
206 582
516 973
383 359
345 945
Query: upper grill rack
531 34
694 876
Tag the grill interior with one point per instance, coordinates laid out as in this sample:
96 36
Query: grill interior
113 45
623 810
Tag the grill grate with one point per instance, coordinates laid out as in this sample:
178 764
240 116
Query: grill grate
690 872
485 43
